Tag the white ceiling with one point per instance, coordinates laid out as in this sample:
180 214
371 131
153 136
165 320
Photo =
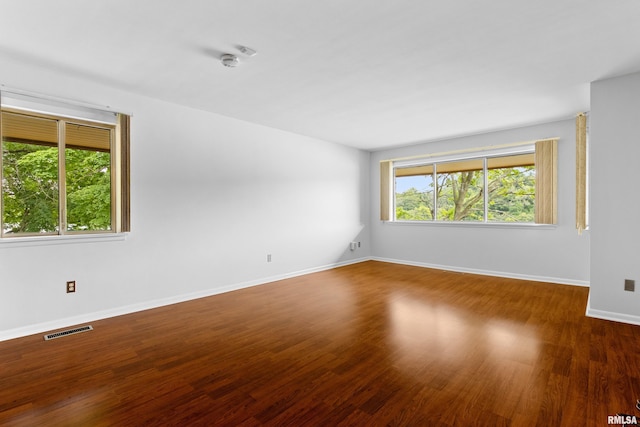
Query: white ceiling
365 73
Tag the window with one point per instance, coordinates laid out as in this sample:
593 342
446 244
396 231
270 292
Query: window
459 190
62 174
509 186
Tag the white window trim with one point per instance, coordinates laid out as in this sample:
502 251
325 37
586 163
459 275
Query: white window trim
64 107
441 158
56 239
471 224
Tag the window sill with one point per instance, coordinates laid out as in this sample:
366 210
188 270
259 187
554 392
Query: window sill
61 240
497 225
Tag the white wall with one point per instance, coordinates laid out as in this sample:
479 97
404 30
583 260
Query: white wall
211 197
615 204
556 254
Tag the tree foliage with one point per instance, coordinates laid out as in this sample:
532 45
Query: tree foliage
460 196
512 194
31 188
414 205
88 190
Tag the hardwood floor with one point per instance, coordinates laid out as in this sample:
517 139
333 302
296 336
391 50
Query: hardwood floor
370 344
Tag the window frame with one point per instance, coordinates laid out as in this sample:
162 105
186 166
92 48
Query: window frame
119 163
466 155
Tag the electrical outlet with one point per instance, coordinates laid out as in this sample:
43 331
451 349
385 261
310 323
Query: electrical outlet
629 285
71 286
268 257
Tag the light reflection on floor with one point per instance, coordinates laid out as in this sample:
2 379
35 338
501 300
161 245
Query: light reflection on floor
423 332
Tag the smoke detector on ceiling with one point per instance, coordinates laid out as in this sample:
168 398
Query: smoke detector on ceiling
229 60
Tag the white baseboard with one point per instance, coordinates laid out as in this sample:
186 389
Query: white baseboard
559 280
609 315
128 309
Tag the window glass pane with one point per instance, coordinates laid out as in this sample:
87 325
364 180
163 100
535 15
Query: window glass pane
414 193
460 188
29 174
88 178
511 187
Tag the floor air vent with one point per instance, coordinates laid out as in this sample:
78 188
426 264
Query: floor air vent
69 332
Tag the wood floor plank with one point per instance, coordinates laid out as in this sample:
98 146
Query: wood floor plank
367 344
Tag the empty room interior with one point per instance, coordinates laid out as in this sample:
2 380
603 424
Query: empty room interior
287 213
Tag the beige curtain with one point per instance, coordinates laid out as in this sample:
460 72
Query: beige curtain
385 190
124 123
581 172
546 211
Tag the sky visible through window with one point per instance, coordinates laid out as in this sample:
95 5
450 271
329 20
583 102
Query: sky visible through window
420 183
